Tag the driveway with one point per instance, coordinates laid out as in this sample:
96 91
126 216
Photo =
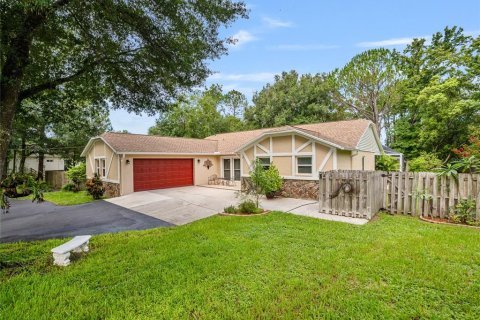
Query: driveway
184 205
31 221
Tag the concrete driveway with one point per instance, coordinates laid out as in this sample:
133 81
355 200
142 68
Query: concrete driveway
184 205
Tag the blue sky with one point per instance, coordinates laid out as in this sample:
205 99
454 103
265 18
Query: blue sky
318 36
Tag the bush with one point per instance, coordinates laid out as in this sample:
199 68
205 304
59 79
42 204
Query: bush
230 209
68 187
464 212
95 187
386 163
248 206
424 163
265 182
77 175
37 189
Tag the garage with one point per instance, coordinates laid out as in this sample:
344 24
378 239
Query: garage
149 174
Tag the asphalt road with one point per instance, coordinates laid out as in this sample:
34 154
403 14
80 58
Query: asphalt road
31 221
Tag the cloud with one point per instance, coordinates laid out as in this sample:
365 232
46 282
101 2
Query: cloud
386 43
274 23
242 37
303 47
251 77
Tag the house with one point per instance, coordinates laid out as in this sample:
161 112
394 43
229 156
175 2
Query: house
50 163
132 162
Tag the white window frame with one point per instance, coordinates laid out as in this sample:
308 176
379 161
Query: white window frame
232 167
303 165
265 166
101 170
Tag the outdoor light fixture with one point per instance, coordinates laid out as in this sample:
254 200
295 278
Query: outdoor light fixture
198 160
127 161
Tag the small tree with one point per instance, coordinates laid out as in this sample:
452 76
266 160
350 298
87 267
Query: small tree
95 187
264 181
424 163
77 175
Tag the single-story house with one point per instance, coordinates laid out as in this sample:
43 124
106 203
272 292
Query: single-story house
133 162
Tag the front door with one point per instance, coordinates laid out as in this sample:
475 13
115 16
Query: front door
231 168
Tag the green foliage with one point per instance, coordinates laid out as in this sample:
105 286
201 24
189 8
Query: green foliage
449 170
265 181
439 104
468 164
293 99
248 206
77 175
230 209
37 189
69 187
386 163
464 212
426 162
95 187
202 114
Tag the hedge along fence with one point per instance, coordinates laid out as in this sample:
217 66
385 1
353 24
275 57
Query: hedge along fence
363 193
427 194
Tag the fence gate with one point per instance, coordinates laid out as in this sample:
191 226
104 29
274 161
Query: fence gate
351 193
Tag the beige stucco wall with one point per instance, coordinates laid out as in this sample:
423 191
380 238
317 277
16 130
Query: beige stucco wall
299 140
100 149
200 172
321 153
264 143
357 160
344 160
282 144
249 155
283 164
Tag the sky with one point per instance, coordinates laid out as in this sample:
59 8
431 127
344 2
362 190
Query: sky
318 36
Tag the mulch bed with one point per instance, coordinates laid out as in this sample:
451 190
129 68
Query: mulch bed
437 220
244 214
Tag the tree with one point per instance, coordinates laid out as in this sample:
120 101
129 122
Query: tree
367 86
199 115
135 54
293 99
439 105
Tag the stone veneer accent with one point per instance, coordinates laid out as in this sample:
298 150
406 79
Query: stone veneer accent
295 188
112 190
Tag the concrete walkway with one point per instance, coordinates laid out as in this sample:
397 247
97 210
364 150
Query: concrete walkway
187 204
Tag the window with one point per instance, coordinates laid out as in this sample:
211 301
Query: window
100 167
304 165
236 169
265 162
49 160
227 173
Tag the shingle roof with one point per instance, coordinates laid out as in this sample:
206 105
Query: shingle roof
125 142
345 134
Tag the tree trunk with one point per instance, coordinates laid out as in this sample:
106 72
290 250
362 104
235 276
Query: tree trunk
14 166
16 61
41 168
23 155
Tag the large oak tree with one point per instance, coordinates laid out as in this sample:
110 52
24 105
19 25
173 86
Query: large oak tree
136 54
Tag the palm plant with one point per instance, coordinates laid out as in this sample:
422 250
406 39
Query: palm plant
468 164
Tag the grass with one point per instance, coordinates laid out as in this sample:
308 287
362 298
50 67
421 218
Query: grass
264 267
65 198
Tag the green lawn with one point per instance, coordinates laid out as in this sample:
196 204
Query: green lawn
65 198
264 267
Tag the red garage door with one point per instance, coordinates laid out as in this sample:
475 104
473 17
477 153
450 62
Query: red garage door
151 174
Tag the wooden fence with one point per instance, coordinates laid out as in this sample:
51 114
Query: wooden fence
426 194
363 193
351 193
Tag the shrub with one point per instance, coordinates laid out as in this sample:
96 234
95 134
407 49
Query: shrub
37 189
68 187
248 206
386 163
464 212
230 209
77 175
424 163
4 203
95 187
265 182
